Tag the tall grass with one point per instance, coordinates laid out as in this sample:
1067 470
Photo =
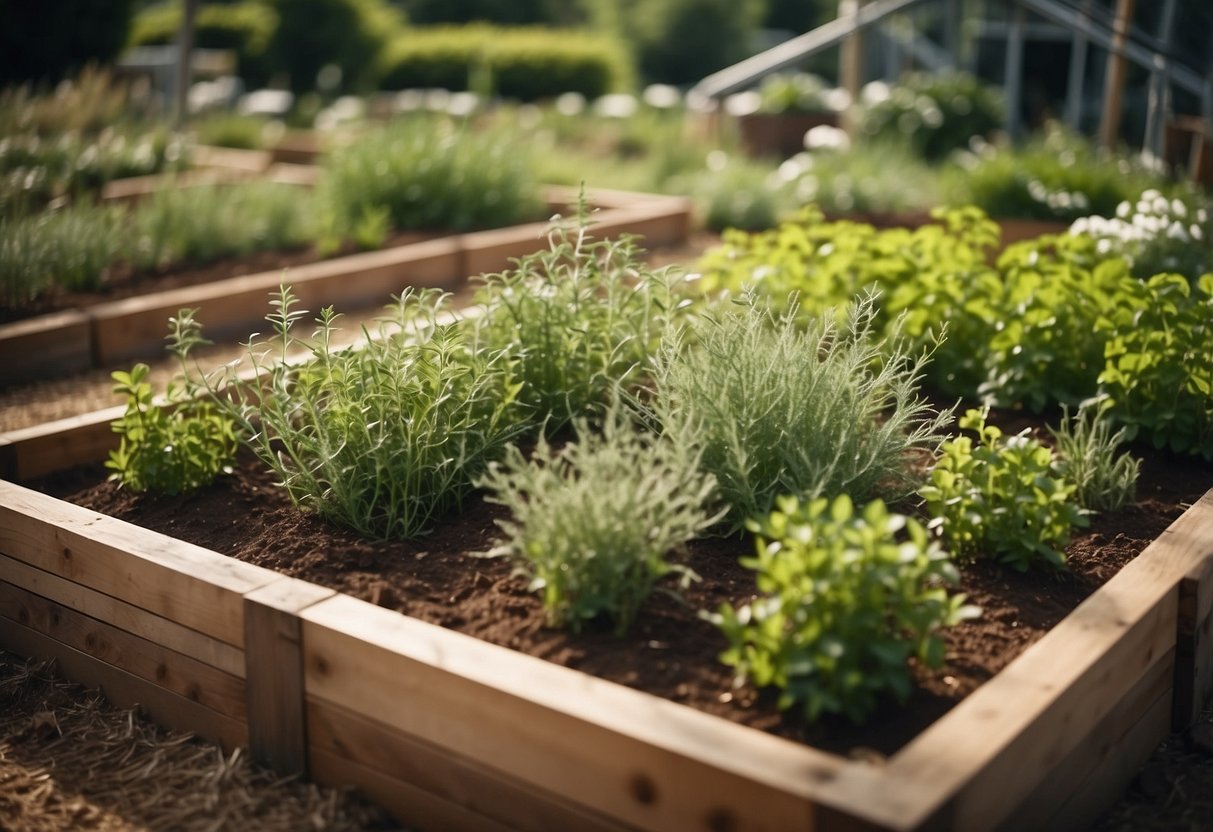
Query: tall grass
70 248
810 412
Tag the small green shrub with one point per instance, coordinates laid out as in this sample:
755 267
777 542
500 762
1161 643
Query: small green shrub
384 438
1004 498
71 248
431 174
1158 375
205 223
594 523
177 445
1156 235
793 92
227 129
848 598
523 63
778 408
1089 457
868 178
933 113
579 320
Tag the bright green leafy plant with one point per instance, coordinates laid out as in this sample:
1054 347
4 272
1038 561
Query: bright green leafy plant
848 597
594 523
1158 373
781 408
1001 497
1089 457
176 445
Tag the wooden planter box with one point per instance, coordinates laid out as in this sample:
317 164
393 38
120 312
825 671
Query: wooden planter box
449 732
123 330
779 134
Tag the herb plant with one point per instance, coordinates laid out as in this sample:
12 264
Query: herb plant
1089 457
70 248
593 524
847 598
383 438
778 408
580 319
1003 497
176 445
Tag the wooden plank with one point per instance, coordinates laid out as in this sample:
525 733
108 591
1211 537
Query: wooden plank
1194 664
126 617
54 344
486 252
254 161
1103 756
54 446
152 662
273 653
991 751
413 808
197 588
482 791
637 758
134 327
656 224
1106 785
126 690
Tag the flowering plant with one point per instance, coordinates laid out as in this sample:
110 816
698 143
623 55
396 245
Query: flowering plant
1156 235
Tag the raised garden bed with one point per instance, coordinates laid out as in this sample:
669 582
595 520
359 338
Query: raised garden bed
449 731
122 330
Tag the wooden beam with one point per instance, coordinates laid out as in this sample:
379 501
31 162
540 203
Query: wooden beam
1114 82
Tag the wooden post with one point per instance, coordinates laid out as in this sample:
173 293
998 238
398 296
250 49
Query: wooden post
1013 78
273 657
1114 83
1160 89
850 66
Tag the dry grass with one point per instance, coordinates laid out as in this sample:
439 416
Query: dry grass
70 760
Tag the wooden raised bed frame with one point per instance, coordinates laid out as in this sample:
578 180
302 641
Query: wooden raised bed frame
124 330
450 732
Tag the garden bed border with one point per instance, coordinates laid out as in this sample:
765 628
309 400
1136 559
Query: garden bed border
133 328
448 731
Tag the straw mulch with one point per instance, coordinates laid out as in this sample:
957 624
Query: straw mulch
70 760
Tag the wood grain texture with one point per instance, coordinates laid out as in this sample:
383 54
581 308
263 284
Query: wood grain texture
371 745
127 690
126 617
273 651
194 587
54 446
46 345
642 760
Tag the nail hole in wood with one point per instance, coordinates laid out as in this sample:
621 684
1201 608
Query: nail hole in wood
644 790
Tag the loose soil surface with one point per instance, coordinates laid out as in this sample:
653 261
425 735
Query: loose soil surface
671 652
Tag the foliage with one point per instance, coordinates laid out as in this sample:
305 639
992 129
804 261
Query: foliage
1156 234
384 438
848 598
176 445
580 319
70 248
205 223
431 174
593 523
34 170
1088 456
522 63
246 27
793 92
88 102
681 41
1003 497
934 113
778 408
229 129
1055 176
52 39
870 177
739 194
516 12
1158 375
348 34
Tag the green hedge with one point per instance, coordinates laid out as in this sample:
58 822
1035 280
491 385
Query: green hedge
247 28
522 63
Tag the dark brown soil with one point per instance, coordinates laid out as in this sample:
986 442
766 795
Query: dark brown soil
671 651
121 281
